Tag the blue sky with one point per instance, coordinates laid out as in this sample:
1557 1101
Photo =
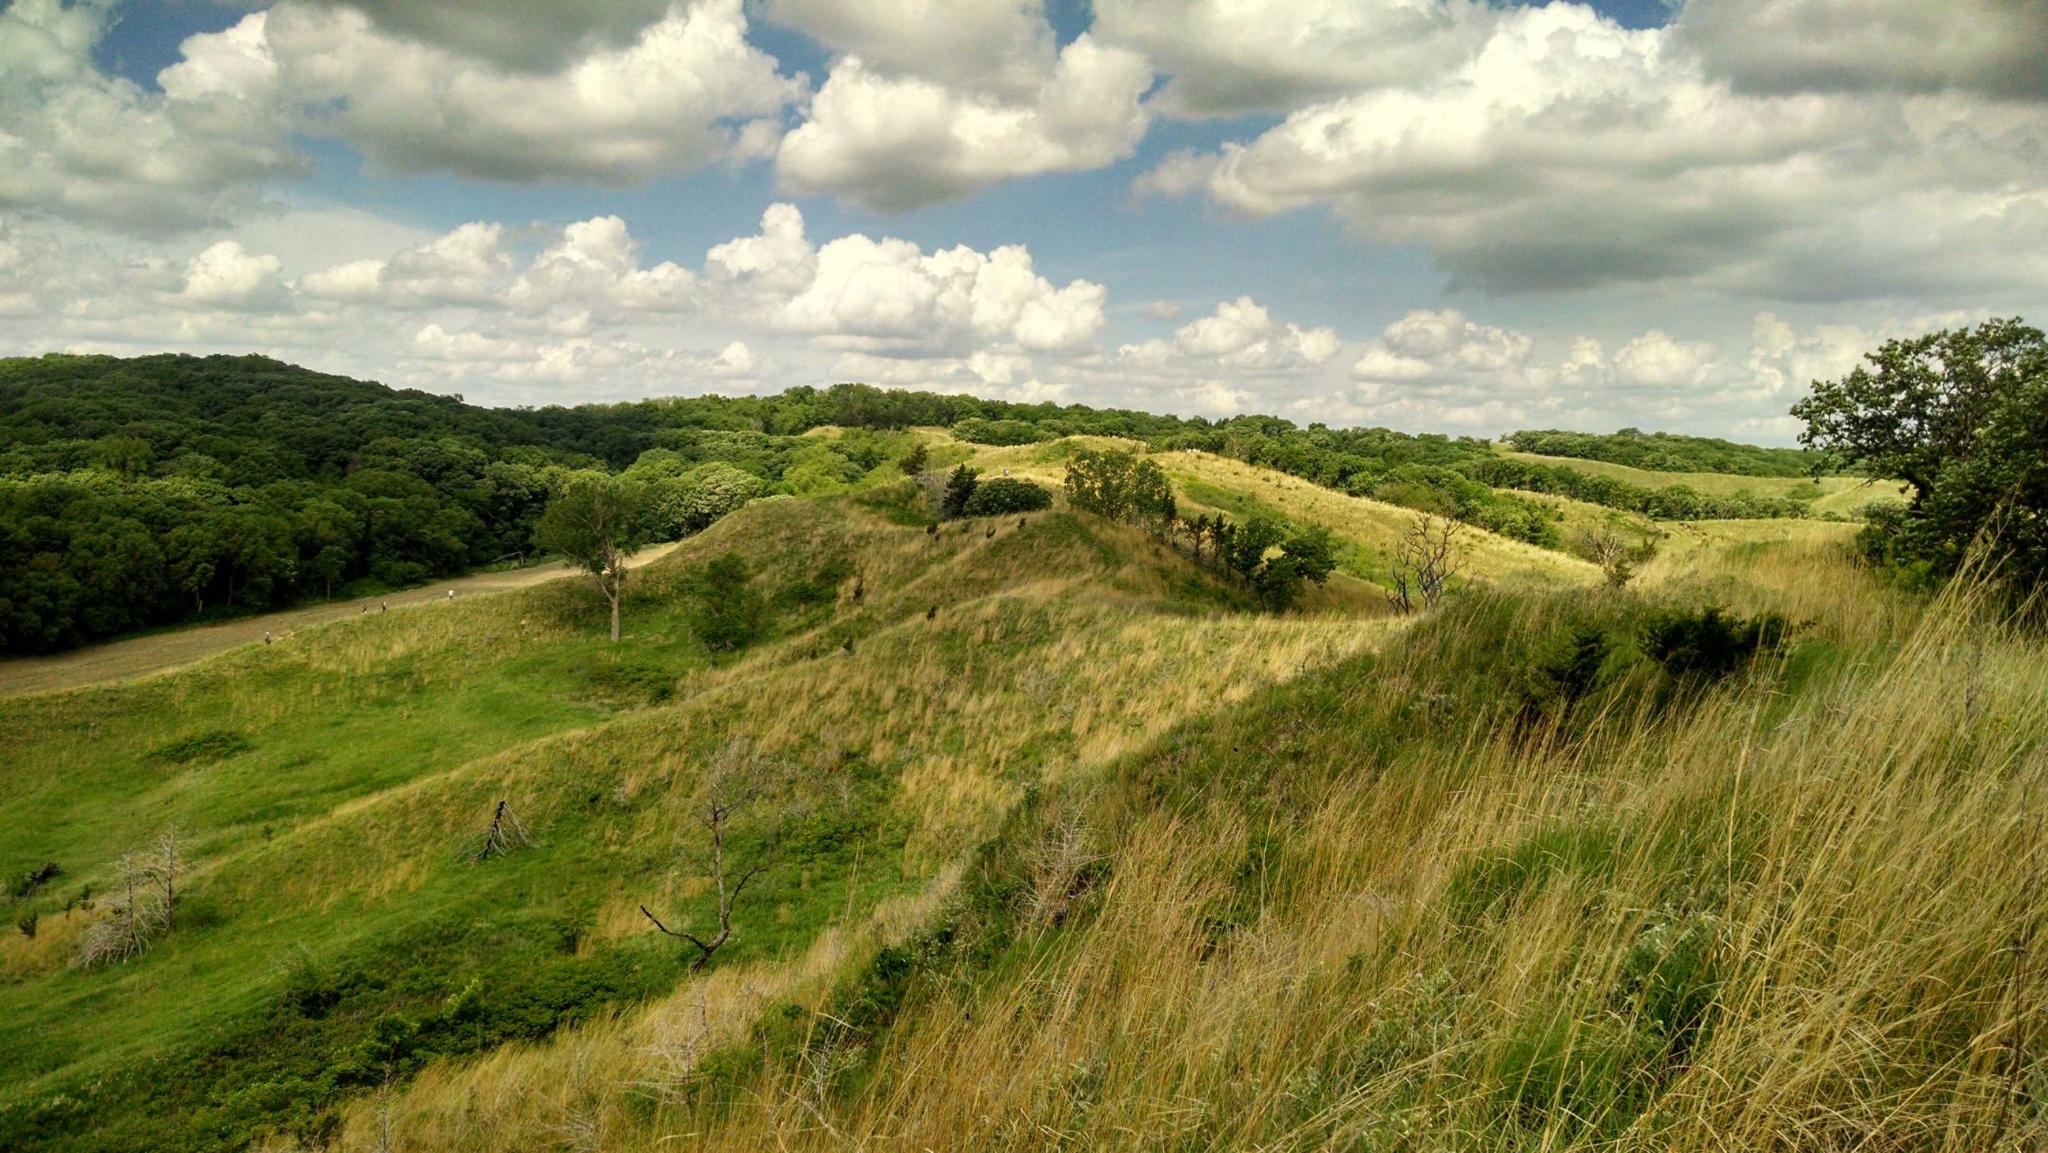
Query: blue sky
1434 214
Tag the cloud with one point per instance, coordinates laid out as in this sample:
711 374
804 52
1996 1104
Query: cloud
81 145
1568 152
665 101
1238 358
595 264
465 266
533 35
895 142
1998 48
226 277
1003 47
1230 58
1241 333
888 296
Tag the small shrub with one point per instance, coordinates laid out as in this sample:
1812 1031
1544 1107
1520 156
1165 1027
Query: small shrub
1708 644
1001 496
960 489
27 924
1569 669
27 884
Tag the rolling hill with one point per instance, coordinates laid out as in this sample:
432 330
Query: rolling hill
1061 842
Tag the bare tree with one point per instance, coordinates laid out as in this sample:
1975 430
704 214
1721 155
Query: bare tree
144 906
1617 558
739 777
1428 556
1059 871
505 833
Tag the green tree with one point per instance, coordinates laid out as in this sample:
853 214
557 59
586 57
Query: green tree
1120 485
1918 406
959 490
595 524
1962 415
916 460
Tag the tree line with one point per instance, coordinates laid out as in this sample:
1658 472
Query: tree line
1670 452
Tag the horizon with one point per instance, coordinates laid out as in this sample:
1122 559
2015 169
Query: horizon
1425 215
1211 421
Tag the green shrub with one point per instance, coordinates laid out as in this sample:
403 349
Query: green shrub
1001 496
1708 644
959 490
35 878
1569 669
729 612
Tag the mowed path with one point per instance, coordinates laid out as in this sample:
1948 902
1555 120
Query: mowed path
161 652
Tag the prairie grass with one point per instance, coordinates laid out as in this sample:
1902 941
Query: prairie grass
1372 908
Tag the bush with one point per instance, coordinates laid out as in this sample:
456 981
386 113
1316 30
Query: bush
34 879
729 612
1708 644
1001 496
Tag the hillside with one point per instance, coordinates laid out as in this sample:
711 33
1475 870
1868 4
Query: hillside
326 784
1837 495
951 949
1047 830
1669 452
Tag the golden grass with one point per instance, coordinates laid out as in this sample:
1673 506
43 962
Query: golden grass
1799 568
1864 872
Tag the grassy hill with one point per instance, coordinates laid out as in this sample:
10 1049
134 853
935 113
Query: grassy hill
1069 846
327 784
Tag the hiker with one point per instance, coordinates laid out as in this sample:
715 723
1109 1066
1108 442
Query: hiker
385 608
266 636
451 594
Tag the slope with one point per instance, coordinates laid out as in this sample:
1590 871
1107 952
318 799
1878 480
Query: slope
334 934
1414 901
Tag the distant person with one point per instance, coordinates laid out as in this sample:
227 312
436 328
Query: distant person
451 594
385 607
266 636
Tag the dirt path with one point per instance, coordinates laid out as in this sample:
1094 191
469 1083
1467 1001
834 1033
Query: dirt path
161 652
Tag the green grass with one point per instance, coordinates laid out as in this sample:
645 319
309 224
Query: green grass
326 786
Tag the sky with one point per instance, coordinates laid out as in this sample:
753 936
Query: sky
1434 215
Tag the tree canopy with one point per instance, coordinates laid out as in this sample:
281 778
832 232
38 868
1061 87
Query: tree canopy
1961 415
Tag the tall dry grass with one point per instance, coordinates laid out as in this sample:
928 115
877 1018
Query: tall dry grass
1786 916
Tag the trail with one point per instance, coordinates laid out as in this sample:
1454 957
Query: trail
144 656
